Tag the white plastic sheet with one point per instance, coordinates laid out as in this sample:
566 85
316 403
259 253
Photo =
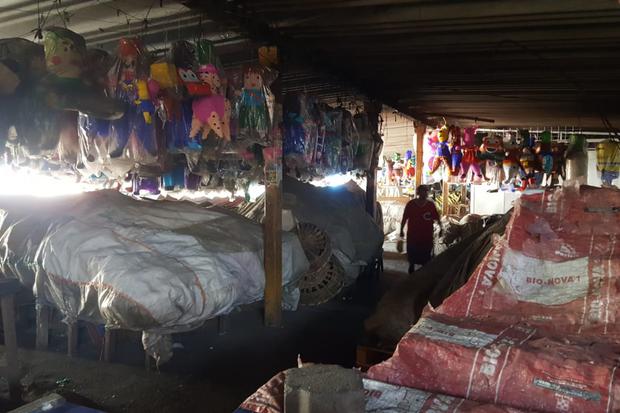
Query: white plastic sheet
340 211
160 267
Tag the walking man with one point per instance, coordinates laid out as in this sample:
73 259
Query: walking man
419 216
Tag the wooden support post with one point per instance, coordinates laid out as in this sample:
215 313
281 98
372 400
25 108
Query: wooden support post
43 326
420 131
7 305
373 110
272 224
72 338
445 198
109 345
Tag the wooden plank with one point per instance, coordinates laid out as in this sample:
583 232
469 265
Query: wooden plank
7 305
445 194
420 131
272 224
72 338
43 326
373 110
273 255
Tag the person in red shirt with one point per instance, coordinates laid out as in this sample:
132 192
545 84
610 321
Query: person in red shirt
419 216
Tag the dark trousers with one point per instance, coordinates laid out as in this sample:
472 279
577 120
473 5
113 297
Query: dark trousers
419 255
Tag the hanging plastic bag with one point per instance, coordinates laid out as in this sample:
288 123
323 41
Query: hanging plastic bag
332 120
363 155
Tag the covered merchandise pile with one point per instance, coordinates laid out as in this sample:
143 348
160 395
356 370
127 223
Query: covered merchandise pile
534 327
157 267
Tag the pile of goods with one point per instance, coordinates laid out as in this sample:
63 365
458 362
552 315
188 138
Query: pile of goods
536 318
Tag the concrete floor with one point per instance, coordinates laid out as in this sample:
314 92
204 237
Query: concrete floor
211 372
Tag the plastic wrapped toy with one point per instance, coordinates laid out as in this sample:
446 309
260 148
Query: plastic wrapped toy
527 161
254 119
443 155
543 151
510 163
470 161
558 152
576 159
136 132
211 113
608 161
350 141
409 165
365 149
456 152
332 119
64 55
492 151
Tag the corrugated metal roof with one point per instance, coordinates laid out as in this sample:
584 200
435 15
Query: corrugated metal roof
103 22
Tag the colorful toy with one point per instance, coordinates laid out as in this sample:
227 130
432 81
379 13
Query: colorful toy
470 161
443 151
125 72
254 122
144 102
558 152
527 162
193 85
543 151
64 54
211 113
492 152
576 158
608 161
409 165
455 150
510 163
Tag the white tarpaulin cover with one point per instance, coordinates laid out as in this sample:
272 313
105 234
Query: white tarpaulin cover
159 267
340 211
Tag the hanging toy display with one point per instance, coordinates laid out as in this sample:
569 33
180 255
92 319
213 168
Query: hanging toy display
608 161
254 119
470 161
432 143
510 163
545 156
211 113
492 151
443 156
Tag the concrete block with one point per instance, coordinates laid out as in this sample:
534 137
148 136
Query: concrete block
323 389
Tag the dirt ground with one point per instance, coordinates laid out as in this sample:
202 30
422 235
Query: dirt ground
209 372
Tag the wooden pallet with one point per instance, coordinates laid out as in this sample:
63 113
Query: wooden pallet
369 356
